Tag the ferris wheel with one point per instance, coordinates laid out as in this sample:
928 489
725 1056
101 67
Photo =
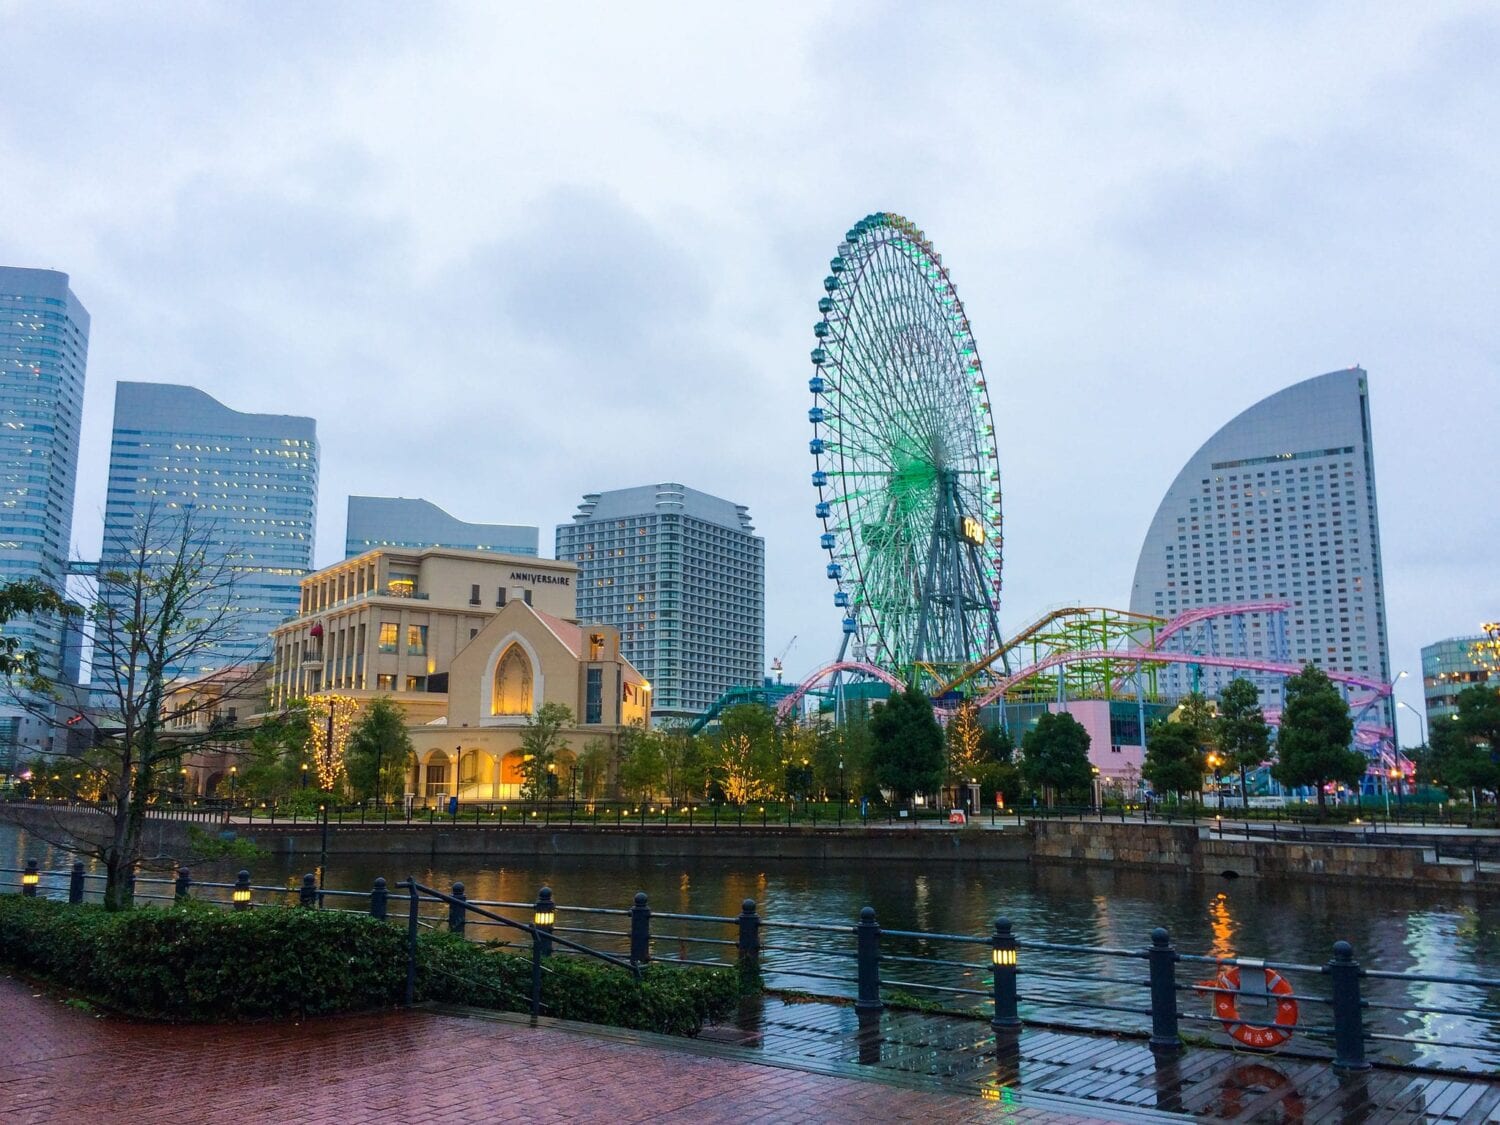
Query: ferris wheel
905 463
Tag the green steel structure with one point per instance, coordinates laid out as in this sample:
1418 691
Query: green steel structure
906 467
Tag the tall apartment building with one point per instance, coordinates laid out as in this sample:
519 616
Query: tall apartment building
682 576
44 342
1279 505
251 482
1448 667
381 522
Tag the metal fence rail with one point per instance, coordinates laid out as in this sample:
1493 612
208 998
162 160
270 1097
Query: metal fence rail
1141 991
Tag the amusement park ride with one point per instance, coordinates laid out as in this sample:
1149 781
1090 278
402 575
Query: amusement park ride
907 476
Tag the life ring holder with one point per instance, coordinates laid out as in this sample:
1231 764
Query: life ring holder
1225 992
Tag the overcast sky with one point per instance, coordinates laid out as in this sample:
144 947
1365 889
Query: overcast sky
506 255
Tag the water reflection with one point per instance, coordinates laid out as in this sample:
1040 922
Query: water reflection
1436 930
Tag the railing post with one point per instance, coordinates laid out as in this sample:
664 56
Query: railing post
378 899
182 889
536 972
749 943
640 930
30 879
413 920
308 895
1003 963
457 911
75 883
543 916
1348 1009
868 934
1161 958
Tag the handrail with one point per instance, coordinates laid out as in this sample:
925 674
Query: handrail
531 928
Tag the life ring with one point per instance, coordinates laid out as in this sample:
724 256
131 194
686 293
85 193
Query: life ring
1226 1009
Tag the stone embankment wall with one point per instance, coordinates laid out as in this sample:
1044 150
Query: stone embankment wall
1199 849
833 845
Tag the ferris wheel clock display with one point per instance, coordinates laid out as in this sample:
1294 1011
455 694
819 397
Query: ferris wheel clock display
905 464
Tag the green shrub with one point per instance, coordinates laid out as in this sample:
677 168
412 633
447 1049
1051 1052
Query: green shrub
669 999
196 963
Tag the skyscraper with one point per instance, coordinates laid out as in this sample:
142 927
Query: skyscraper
682 576
388 521
251 482
1448 667
44 341
1279 505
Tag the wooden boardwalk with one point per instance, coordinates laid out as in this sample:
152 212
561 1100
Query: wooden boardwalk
1119 1078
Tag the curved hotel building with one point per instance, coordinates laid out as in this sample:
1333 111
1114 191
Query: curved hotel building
1279 505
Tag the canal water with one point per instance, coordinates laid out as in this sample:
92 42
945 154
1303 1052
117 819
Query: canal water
1394 929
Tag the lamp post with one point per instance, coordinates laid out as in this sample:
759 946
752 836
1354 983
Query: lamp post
234 773
1214 762
327 770
841 791
304 775
181 786
1421 718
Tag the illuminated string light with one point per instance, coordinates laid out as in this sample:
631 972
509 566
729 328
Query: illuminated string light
328 760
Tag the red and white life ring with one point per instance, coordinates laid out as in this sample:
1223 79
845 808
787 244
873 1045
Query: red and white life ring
1226 1008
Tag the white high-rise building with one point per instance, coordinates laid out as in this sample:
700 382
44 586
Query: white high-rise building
683 578
1279 505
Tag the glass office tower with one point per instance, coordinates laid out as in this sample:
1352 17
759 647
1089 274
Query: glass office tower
44 342
391 521
251 482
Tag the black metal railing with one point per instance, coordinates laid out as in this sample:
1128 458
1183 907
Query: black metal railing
1344 1009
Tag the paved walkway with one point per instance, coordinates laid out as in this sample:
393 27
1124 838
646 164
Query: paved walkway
65 1065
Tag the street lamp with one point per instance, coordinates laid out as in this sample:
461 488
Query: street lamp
182 786
234 773
1214 762
304 775
1421 718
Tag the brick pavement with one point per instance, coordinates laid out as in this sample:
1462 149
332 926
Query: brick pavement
66 1065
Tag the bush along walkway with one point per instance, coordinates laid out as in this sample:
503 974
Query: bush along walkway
192 962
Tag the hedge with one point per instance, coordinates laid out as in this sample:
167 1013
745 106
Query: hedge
196 963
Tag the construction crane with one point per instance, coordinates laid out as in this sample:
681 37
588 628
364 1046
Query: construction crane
776 663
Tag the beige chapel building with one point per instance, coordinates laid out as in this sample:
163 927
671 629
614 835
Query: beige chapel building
470 644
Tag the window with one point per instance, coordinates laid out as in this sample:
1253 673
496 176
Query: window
385 682
416 683
437 777
474 594
512 688
593 699
387 636
416 640
596 646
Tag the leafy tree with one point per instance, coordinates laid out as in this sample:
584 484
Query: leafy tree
593 769
276 751
745 760
1055 755
1464 749
540 742
1313 744
997 745
1241 731
379 755
29 598
643 766
1174 759
906 752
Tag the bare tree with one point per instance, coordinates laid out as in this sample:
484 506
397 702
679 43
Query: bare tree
163 601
